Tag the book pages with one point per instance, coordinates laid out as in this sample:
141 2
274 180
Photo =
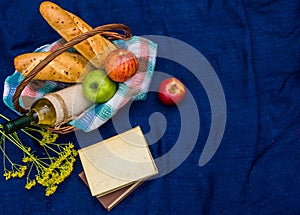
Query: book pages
110 200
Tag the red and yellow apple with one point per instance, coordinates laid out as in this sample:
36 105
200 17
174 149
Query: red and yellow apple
171 91
120 65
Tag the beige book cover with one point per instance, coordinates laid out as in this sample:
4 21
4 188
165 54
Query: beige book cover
117 162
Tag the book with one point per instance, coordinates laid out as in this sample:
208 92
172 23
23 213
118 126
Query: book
109 201
117 162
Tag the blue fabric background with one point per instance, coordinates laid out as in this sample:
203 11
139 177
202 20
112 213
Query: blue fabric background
253 47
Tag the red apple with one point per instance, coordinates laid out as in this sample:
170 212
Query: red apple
120 65
171 91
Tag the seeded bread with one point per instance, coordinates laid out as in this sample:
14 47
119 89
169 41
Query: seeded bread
95 49
67 67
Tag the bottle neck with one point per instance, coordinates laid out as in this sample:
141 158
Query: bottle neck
19 123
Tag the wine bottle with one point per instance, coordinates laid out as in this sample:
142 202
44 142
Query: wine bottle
53 109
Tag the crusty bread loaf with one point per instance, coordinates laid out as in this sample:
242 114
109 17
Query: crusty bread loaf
67 67
68 25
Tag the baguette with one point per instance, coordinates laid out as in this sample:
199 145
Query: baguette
68 25
67 67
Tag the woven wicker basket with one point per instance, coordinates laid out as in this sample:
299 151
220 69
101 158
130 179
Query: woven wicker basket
109 31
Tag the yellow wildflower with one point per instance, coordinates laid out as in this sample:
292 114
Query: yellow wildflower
50 190
21 174
30 184
25 159
14 174
70 145
7 175
48 137
52 169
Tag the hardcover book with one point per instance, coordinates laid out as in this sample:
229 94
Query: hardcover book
117 162
110 200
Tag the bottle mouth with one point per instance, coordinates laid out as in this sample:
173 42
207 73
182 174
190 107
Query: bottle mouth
8 127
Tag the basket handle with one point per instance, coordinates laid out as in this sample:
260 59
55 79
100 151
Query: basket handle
109 31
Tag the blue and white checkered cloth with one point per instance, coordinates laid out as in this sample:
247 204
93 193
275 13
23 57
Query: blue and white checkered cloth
135 88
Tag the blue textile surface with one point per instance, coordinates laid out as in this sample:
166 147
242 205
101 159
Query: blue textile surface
253 47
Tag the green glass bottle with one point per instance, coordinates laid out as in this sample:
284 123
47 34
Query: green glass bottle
53 109
41 113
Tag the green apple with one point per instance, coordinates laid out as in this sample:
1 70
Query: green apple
98 87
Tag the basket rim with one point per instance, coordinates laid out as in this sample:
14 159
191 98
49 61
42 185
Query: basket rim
109 31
